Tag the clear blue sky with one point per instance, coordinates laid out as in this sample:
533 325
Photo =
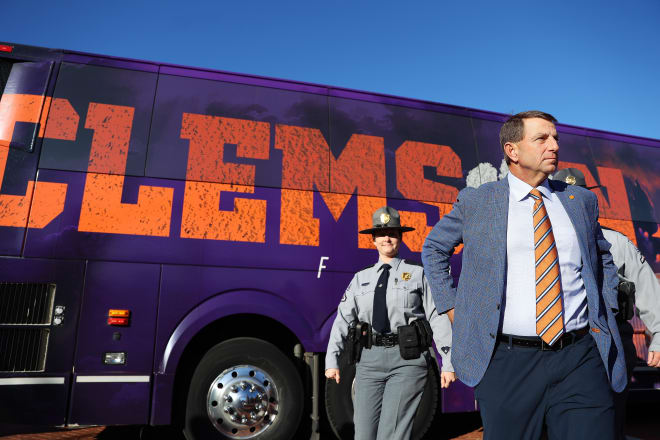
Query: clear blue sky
590 63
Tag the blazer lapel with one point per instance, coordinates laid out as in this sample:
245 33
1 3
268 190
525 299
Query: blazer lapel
499 205
577 213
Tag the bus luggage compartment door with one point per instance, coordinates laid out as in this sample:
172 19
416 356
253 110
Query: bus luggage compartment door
39 301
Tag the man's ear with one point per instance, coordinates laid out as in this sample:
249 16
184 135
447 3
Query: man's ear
511 150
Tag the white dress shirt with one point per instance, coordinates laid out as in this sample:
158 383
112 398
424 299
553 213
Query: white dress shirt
520 301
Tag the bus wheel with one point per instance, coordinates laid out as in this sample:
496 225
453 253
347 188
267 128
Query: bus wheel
339 403
244 388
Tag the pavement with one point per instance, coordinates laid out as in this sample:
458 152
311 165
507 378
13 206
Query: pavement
643 424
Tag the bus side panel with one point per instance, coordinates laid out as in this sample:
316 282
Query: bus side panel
62 237
20 110
44 392
234 125
115 394
194 297
311 300
114 110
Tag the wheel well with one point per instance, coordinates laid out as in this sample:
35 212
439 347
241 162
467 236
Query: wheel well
240 325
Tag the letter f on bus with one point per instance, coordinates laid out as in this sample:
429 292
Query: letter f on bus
322 266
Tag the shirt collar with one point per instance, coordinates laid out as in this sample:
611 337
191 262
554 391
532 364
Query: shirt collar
519 189
394 263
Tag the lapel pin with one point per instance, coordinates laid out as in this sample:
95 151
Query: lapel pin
571 197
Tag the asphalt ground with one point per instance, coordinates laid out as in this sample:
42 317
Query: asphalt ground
643 422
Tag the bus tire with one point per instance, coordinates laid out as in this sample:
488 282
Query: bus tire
339 404
244 387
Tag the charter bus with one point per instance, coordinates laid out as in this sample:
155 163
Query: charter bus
175 240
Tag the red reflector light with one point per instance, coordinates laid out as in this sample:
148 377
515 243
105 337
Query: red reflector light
119 317
6 48
118 321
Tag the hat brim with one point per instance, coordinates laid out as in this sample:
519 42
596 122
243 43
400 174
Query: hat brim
400 228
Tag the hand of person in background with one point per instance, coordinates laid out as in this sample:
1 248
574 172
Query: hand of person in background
333 373
654 359
446 378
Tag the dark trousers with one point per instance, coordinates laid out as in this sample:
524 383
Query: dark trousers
567 389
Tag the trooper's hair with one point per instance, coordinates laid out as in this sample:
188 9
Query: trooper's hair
513 129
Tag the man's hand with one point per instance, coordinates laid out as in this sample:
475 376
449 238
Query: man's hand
332 373
446 378
450 315
654 359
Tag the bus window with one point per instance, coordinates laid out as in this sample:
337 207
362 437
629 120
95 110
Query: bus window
23 98
5 68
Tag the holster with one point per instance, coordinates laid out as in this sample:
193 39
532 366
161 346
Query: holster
364 334
626 299
359 336
425 333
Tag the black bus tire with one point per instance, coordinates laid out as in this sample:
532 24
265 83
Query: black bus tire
249 370
339 404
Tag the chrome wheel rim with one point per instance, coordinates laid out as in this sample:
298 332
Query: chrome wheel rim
242 402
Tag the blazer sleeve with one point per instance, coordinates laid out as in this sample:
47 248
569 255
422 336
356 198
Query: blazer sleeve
438 248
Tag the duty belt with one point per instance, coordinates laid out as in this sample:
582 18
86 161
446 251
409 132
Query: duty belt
388 340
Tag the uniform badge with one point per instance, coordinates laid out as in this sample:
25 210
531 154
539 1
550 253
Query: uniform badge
445 350
384 218
571 180
406 276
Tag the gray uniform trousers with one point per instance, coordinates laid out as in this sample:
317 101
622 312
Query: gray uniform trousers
388 390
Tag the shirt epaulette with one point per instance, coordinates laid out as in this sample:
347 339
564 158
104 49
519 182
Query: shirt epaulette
413 263
367 267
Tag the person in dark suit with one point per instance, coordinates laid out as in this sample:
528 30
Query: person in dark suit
534 327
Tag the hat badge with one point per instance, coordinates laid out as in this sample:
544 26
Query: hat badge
571 180
384 218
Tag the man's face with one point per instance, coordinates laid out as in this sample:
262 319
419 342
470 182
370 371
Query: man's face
538 151
387 242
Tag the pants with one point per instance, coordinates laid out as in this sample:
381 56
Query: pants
626 331
567 389
388 390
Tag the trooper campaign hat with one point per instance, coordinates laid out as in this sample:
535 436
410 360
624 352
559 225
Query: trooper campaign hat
386 218
572 176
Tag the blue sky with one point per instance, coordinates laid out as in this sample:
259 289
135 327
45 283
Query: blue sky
590 63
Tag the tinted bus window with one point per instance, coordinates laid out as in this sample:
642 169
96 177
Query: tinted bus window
5 68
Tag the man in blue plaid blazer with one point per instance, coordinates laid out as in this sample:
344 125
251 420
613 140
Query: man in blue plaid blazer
524 379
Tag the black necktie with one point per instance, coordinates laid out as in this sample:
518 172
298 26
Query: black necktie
381 322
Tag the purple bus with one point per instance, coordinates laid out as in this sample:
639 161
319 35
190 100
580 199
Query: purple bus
175 241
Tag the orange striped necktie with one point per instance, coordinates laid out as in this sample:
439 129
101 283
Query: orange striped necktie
549 307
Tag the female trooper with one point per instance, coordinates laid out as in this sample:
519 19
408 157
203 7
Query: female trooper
389 296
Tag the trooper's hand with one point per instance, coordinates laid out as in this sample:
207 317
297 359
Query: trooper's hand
332 373
446 378
654 359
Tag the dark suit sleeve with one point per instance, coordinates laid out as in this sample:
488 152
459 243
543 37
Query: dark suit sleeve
610 278
438 248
